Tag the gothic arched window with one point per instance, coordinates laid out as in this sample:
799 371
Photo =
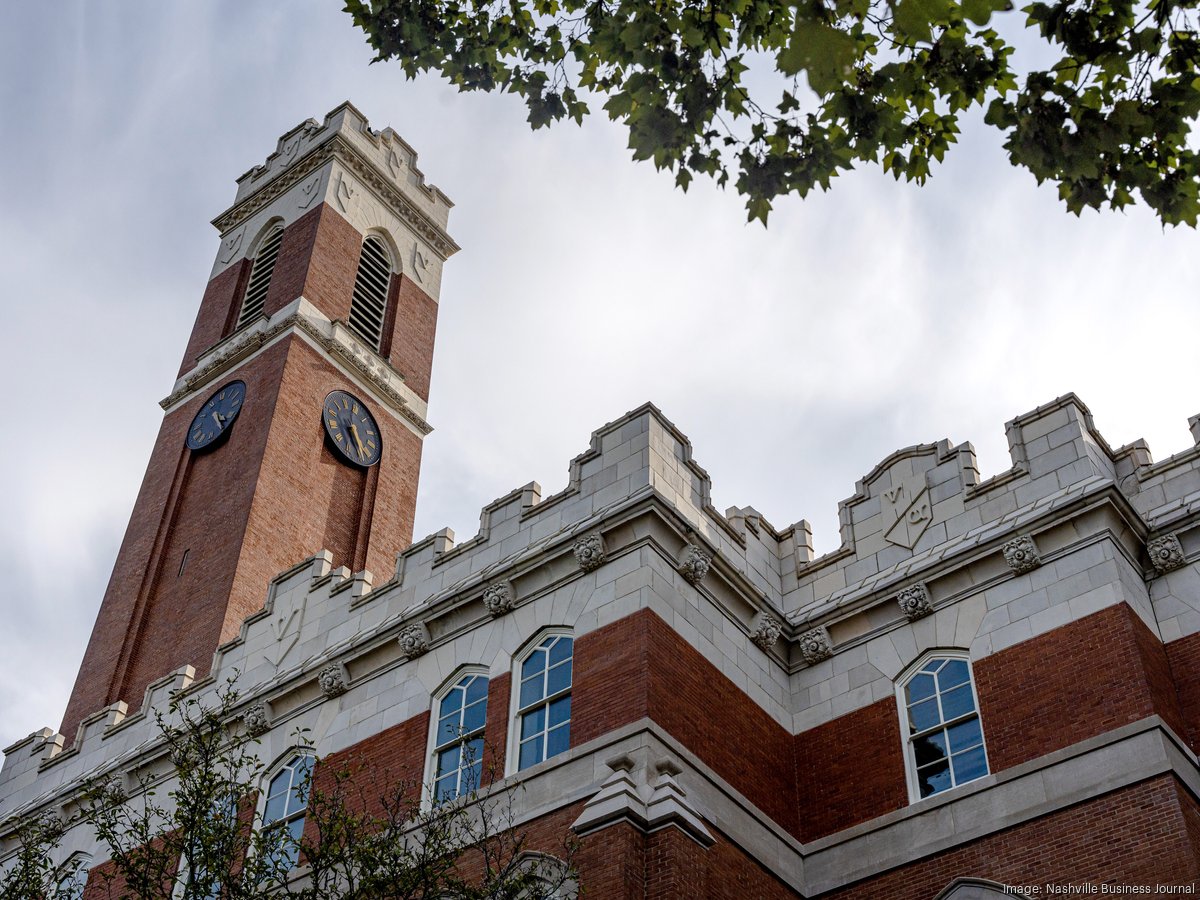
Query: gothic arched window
939 717
260 275
456 758
369 304
286 804
543 708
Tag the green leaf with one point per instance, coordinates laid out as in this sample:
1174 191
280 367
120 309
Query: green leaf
825 54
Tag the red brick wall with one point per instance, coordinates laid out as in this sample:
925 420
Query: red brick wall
850 770
381 770
270 496
1136 835
218 308
1184 656
639 666
1083 679
495 731
409 346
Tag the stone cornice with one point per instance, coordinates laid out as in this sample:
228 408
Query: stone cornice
340 149
331 336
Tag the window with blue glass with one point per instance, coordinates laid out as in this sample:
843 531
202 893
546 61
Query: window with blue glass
287 801
458 738
940 714
544 701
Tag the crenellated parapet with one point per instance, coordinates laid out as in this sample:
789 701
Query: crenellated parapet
930 553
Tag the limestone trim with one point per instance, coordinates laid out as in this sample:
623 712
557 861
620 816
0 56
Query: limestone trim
915 602
815 645
330 337
413 640
257 719
1166 553
1021 554
765 631
694 564
590 551
338 148
499 597
332 680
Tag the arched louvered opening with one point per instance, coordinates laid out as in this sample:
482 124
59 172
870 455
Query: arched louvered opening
369 305
260 276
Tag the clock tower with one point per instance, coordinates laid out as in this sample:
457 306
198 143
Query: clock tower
297 419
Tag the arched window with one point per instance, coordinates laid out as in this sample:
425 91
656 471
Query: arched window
286 804
369 305
457 757
939 716
73 880
544 701
260 275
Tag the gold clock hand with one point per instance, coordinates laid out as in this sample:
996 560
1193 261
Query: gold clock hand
354 433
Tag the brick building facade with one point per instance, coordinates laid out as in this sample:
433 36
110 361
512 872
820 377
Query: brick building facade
989 683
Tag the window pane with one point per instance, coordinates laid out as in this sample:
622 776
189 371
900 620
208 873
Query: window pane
920 688
296 828
933 665
964 735
531 752
471 778
473 717
930 748
957 702
923 715
559 740
531 691
559 679
472 752
446 788
533 722
447 760
560 651
477 689
535 663
560 710
970 765
451 703
274 810
935 778
448 730
954 673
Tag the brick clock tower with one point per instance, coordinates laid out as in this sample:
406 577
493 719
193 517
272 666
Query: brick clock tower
297 419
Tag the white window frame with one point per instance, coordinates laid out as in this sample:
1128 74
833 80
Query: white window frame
74 865
281 762
513 754
429 782
910 763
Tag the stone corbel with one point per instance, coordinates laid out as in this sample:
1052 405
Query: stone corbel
815 645
413 639
332 680
1021 554
693 564
1166 553
765 631
915 602
257 719
499 597
590 551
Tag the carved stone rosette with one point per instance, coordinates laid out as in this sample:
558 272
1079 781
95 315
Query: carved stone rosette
1021 554
589 551
766 631
499 597
694 564
815 645
1166 553
414 640
915 602
256 719
332 680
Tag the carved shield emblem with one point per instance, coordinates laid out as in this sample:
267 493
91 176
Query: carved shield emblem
907 512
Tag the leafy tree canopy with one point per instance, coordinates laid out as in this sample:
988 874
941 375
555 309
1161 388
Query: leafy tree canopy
781 96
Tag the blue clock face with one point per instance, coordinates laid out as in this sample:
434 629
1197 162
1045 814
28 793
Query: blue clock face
216 416
352 429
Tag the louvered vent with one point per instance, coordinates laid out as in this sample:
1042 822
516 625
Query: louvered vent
370 291
260 277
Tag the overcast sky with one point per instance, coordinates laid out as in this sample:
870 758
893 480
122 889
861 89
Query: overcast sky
874 317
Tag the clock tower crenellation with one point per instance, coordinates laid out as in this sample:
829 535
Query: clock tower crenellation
325 285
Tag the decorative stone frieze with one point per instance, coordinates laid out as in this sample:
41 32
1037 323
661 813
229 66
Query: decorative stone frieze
1166 553
1021 554
414 640
499 597
766 631
332 679
589 551
257 719
815 645
694 564
915 602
